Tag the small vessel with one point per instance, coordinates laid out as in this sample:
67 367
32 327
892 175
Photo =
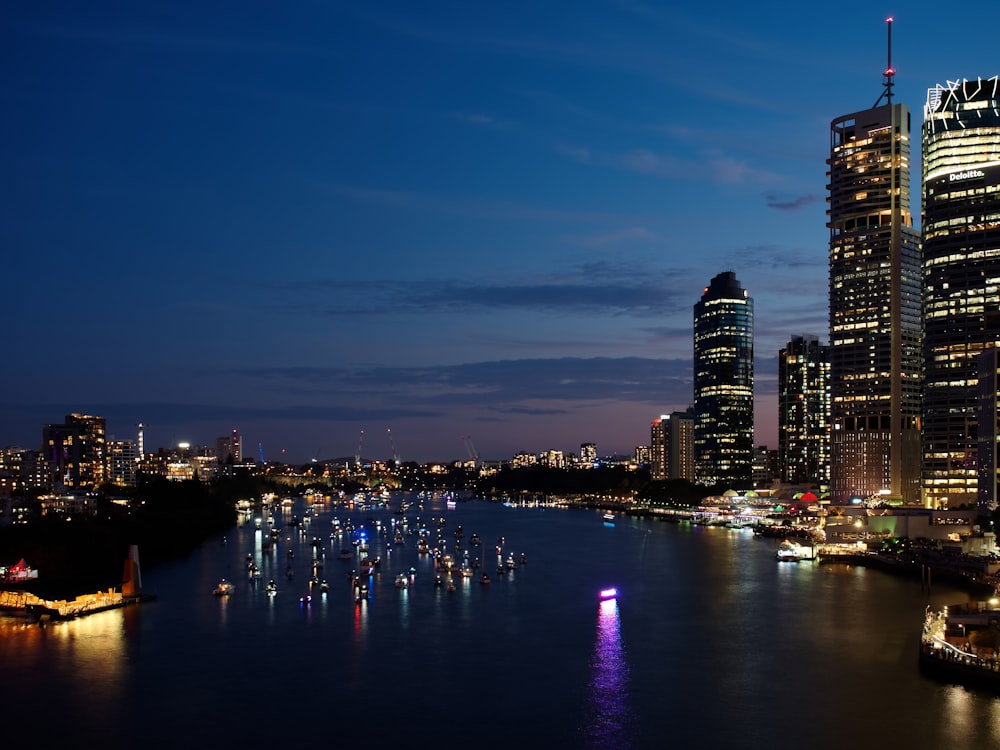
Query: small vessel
402 581
510 564
225 588
272 588
484 579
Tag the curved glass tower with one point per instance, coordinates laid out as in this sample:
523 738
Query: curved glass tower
961 268
723 383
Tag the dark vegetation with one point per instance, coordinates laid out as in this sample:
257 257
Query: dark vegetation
84 553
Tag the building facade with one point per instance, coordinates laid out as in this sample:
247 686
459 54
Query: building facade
804 411
672 446
723 383
122 463
875 338
961 267
229 449
74 452
988 430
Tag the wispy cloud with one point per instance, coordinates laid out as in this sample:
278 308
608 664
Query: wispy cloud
789 202
600 287
711 166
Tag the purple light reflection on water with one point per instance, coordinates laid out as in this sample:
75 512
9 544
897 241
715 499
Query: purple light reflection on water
610 715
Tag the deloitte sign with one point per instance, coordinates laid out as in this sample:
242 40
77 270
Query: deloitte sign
968 174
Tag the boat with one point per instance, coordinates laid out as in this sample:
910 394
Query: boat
402 581
510 562
791 551
484 579
225 588
474 540
272 588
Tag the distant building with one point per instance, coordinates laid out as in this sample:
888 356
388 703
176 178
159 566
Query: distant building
122 463
588 454
523 459
765 466
723 383
229 449
672 446
875 362
21 470
961 280
554 459
804 411
74 452
988 430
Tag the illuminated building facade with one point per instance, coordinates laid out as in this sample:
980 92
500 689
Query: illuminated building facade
672 446
875 345
229 450
588 454
75 452
122 462
804 411
961 225
723 383
988 430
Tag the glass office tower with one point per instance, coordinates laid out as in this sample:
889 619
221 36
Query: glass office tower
961 265
723 383
875 344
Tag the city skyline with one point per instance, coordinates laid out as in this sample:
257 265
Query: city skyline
439 221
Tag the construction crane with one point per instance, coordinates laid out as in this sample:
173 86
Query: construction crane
357 456
470 447
392 444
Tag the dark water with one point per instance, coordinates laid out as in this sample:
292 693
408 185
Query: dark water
711 644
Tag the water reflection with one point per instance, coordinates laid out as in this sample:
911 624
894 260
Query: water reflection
609 723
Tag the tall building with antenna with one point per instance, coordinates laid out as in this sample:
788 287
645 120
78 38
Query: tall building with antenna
961 262
875 296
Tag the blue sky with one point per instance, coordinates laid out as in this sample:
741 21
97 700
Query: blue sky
308 219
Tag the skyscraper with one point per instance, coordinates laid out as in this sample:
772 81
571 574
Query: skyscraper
723 383
961 225
875 361
804 411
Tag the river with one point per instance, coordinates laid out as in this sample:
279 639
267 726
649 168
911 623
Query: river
711 643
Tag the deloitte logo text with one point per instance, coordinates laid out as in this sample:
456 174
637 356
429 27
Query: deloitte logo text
967 175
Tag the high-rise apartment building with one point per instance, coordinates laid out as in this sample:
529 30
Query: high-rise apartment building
121 463
229 450
961 265
74 452
723 383
875 346
804 411
672 446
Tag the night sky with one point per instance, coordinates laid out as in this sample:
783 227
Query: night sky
307 219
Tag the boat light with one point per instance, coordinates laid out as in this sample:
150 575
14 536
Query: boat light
609 593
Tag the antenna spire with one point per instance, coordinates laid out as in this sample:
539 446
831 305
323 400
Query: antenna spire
890 71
